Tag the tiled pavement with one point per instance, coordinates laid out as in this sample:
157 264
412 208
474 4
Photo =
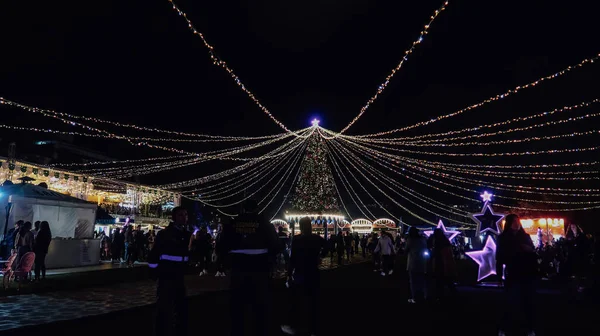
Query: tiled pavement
31 309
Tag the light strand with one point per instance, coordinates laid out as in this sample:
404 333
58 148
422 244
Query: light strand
383 85
489 100
221 63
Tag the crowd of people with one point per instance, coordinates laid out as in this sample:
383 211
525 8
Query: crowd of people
126 245
27 240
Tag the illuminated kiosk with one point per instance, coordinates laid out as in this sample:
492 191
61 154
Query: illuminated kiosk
552 229
362 226
321 223
384 224
280 223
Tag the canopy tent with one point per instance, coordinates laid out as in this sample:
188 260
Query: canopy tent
69 217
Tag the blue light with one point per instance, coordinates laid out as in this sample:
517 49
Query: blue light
426 253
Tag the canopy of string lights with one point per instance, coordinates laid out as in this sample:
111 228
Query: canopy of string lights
417 177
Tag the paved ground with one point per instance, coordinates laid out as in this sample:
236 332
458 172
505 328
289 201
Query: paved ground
50 306
355 301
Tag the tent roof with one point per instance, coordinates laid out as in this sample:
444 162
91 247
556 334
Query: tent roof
27 190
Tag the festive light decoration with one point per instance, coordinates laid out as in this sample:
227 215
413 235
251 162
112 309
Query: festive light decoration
221 63
315 191
450 234
485 259
486 197
139 128
487 220
443 135
489 100
397 68
428 201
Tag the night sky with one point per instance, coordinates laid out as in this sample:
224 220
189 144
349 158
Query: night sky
136 61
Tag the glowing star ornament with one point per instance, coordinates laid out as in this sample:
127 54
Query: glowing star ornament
315 122
486 197
448 233
487 220
486 259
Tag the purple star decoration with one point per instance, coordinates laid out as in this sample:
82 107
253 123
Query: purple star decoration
449 233
487 220
486 259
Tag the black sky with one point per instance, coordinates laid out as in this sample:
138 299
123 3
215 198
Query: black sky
136 61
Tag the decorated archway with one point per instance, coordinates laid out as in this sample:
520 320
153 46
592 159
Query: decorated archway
362 226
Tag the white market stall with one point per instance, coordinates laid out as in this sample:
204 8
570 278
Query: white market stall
71 222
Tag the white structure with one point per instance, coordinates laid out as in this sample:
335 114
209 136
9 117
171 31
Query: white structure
362 226
280 223
71 222
384 223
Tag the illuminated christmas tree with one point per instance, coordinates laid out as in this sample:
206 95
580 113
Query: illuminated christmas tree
315 190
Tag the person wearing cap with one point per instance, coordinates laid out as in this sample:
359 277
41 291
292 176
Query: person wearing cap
251 241
168 261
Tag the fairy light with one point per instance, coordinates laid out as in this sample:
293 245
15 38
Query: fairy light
441 142
383 85
521 189
230 192
480 127
489 100
241 178
349 188
221 63
73 123
409 191
246 197
447 176
287 174
388 181
206 179
138 128
547 151
366 191
391 199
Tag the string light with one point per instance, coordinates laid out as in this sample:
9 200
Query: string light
547 151
221 63
469 181
380 190
138 128
519 188
489 100
480 127
397 68
249 195
205 179
423 198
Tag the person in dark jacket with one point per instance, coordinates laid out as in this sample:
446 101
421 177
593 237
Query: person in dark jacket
40 248
515 250
168 259
251 242
303 274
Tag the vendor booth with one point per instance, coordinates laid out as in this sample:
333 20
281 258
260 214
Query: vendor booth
71 222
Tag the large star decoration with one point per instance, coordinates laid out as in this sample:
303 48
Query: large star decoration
486 259
448 233
487 220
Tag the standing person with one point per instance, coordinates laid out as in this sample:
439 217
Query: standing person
515 250
444 267
339 246
251 242
385 247
303 273
36 228
219 254
169 257
40 248
23 243
416 248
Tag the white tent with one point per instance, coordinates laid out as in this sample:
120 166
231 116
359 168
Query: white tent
69 217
